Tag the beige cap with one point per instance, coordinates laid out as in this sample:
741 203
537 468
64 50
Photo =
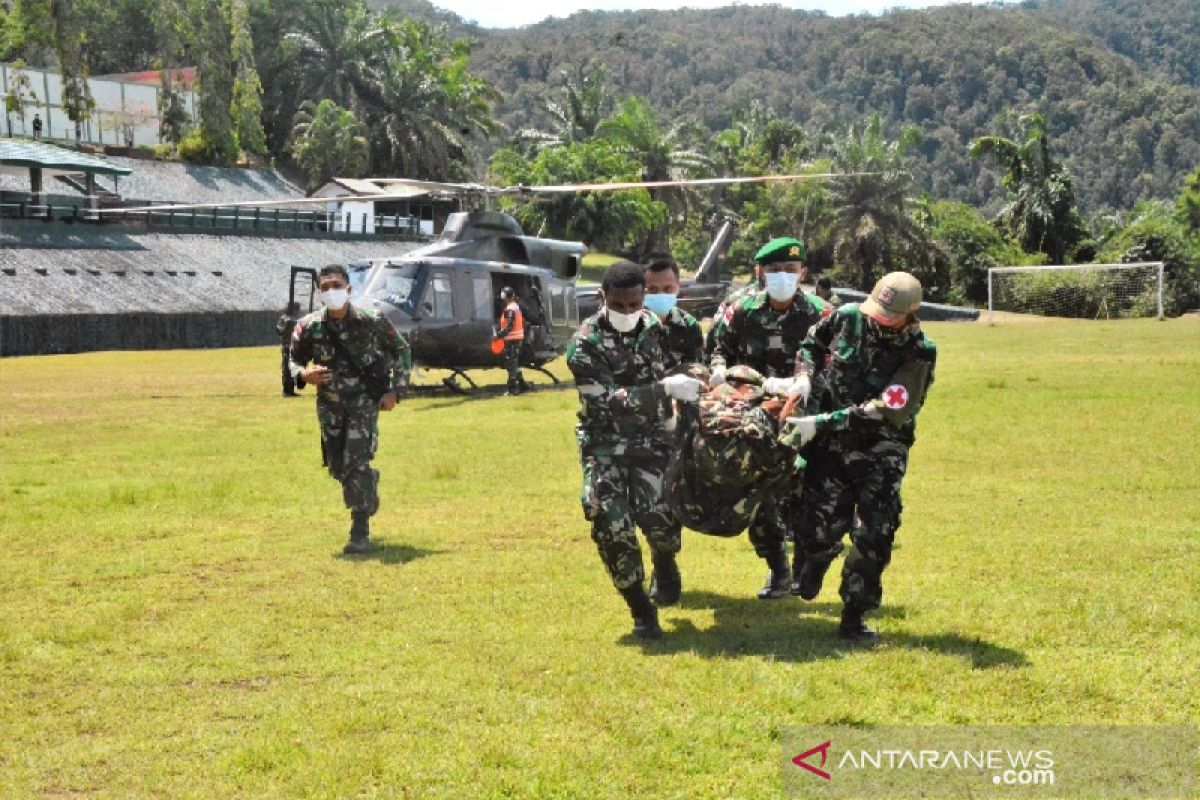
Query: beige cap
895 296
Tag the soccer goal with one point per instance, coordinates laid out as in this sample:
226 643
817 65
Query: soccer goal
1083 291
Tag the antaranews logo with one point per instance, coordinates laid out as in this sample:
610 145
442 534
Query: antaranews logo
823 749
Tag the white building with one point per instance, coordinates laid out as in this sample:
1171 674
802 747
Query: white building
411 207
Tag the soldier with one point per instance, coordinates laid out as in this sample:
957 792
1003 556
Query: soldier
764 331
512 331
870 366
684 350
37 127
824 290
284 327
685 339
360 365
619 363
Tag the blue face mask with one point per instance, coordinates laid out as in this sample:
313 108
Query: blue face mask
782 285
660 304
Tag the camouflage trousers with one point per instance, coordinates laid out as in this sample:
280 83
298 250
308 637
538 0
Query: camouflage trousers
289 382
620 493
349 437
512 363
842 478
768 530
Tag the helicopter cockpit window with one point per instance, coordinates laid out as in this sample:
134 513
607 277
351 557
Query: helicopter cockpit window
441 296
396 284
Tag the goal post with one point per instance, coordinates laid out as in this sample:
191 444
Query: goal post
1082 291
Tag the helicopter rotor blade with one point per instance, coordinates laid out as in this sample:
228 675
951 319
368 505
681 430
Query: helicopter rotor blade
618 186
281 201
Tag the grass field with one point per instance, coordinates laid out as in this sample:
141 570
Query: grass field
177 620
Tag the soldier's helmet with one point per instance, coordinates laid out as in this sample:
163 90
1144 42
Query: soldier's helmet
895 296
507 293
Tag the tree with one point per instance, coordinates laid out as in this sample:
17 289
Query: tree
20 94
872 231
663 155
327 142
217 142
422 106
332 46
605 220
1155 233
1040 213
973 245
246 101
69 46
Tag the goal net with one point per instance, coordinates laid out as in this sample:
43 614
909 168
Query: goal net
1085 291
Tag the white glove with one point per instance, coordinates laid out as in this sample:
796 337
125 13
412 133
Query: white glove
777 385
717 377
873 410
683 388
807 426
802 386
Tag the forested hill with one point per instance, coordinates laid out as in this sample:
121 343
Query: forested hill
1117 80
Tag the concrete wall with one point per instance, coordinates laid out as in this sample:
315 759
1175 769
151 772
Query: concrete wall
71 288
117 103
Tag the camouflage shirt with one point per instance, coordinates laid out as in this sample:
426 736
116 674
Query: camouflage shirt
685 340
622 406
851 360
369 338
754 334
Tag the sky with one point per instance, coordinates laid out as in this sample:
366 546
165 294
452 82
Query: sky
491 14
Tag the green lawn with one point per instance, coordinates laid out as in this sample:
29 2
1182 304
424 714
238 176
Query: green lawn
178 622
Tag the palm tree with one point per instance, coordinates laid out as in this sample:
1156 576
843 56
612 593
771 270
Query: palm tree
663 155
332 47
873 233
422 106
327 142
1040 213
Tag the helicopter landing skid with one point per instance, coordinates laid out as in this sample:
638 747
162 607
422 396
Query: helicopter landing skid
547 373
451 382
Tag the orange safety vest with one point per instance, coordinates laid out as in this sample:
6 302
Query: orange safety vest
517 334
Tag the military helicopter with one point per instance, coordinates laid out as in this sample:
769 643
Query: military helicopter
445 296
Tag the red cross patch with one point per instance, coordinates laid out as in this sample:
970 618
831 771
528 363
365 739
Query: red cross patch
296 332
895 397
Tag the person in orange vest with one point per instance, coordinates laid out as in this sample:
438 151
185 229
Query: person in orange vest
512 331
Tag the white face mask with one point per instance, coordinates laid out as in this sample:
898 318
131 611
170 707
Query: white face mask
781 286
335 298
623 323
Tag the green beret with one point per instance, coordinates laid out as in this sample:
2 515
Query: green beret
785 248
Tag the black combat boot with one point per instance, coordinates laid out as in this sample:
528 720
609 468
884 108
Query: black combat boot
808 579
666 584
645 615
360 534
853 629
778 579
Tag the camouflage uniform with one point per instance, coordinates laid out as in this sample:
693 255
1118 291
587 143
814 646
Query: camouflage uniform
284 327
731 301
754 334
684 338
347 414
622 441
727 459
855 462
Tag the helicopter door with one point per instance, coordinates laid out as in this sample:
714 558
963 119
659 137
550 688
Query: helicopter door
437 326
303 288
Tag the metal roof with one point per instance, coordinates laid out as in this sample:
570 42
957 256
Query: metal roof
25 153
